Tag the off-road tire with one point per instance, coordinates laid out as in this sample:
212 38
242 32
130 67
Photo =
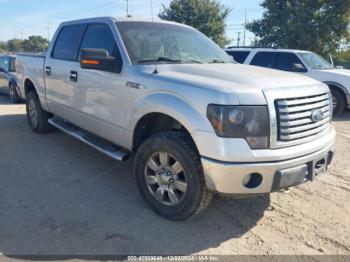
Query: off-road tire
41 125
180 145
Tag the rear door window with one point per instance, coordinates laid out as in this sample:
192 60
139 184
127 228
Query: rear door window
264 59
287 62
66 46
239 56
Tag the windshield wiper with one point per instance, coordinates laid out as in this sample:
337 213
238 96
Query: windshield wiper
192 61
159 59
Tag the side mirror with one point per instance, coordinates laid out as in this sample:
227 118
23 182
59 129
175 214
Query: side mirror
1 69
299 68
99 59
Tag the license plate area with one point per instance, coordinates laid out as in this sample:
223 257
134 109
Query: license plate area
317 167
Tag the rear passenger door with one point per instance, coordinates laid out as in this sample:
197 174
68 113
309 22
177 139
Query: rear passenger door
60 66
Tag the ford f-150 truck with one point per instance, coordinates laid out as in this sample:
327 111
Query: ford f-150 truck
197 122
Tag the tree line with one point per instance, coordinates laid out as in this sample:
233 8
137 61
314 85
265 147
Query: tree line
321 26
31 44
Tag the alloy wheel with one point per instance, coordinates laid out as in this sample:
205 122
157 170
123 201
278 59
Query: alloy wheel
166 179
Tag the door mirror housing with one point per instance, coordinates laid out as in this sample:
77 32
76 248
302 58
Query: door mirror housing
99 59
299 68
1 69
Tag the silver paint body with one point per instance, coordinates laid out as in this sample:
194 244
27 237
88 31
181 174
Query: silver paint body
107 105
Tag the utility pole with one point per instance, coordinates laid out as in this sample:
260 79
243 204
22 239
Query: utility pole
22 34
238 38
48 31
152 9
245 26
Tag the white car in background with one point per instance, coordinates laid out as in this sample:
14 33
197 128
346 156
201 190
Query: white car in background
302 62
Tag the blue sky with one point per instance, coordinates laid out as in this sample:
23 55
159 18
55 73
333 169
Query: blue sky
33 17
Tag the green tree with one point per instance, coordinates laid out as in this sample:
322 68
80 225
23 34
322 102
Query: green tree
35 44
3 46
208 16
14 45
316 25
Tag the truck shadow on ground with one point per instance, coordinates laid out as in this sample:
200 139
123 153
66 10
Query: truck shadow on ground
345 116
60 197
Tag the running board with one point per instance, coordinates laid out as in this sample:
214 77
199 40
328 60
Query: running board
95 142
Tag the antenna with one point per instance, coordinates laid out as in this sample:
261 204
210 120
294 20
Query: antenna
245 26
127 8
152 9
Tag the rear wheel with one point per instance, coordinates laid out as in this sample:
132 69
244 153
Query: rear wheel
170 177
14 97
37 116
338 101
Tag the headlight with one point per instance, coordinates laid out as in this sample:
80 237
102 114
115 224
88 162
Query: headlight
248 122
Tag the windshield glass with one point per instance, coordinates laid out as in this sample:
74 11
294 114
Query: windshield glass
150 43
315 61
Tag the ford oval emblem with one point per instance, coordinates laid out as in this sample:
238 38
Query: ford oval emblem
317 115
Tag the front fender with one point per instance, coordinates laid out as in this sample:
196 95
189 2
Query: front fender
174 106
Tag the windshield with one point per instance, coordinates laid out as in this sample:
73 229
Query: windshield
315 61
150 43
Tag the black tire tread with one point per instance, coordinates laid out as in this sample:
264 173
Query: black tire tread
186 142
341 101
43 116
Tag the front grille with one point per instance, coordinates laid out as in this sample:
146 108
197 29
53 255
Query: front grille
295 117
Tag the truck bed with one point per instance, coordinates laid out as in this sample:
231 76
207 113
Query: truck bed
31 65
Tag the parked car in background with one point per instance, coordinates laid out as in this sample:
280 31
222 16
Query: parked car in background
8 82
302 62
197 122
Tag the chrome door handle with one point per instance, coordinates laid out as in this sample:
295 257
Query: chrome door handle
48 70
73 76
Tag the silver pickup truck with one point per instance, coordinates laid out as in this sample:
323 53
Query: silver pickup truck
197 122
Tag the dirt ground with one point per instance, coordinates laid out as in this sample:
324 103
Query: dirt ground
60 197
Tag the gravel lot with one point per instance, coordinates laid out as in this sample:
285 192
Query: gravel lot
60 197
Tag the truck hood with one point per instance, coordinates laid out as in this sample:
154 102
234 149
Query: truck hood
338 72
245 82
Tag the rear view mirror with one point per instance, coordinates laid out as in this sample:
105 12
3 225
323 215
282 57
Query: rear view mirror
99 59
299 68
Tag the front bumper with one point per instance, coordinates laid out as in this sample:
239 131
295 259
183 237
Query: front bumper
230 178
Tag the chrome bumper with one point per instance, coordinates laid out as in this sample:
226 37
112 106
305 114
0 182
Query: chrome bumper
229 178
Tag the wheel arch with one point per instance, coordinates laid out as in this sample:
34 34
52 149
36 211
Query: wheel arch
162 112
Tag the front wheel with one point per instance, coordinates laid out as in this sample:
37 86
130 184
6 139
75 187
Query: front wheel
338 101
170 177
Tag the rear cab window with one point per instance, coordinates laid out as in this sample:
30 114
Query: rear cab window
239 56
67 43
